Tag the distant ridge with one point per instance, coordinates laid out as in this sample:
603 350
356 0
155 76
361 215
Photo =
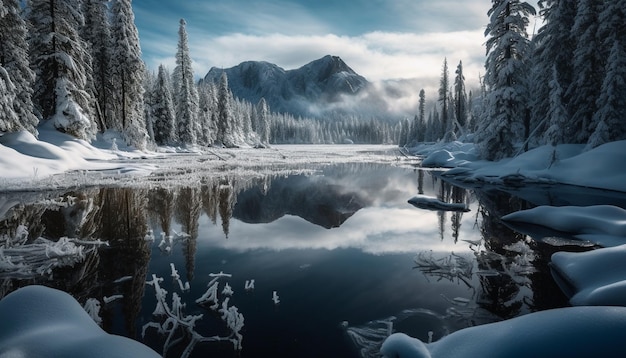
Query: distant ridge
305 91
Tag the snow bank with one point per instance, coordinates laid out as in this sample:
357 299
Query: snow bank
603 224
24 156
566 332
596 277
39 321
446 155
567 164
25 160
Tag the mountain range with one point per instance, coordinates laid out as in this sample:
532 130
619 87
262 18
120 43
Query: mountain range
313 90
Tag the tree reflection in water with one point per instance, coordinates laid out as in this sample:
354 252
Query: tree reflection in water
502 275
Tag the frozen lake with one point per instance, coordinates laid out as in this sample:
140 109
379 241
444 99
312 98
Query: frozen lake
327 228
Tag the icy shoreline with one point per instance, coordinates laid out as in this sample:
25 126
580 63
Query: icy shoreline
566 164
58 161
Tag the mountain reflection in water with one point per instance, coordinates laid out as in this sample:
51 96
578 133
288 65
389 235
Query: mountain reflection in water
342 245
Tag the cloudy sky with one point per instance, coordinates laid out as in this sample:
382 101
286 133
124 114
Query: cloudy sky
379 39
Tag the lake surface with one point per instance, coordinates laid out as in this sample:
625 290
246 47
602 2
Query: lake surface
347 257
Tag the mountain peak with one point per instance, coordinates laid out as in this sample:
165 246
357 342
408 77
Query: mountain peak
315 84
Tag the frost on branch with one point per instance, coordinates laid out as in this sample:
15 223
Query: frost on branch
92 307
453 267
179 327
19 259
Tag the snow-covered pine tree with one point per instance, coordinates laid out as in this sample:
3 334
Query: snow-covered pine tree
225 130
554 44
127 74
444 99
506 78
608 122
460 98
611 125
9 120
421 114
246 121
237 122
163 115
207 104
62 66
149 80
97 34
14 59
612 26
588 69
263 121
185 91
557 116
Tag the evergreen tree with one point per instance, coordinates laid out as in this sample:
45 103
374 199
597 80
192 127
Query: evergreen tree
556 113
207 104
554 45
507 71
607 122
9 120
186 93
162 111
460 98
225 130
127 71
612 101
588 68
444 99
421 113
263 121
62 66
97 34
14 59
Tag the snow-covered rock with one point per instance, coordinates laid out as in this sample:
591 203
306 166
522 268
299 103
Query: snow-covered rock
566 332
430 203
38 321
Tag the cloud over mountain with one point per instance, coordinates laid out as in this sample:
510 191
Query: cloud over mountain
323 88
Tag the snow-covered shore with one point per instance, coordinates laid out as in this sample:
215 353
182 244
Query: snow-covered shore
59 161
601 167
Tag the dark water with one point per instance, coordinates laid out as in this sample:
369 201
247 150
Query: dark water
342 249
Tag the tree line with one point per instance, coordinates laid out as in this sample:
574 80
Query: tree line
76 66
565 84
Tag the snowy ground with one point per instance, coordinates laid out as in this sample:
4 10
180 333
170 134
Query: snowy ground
57 161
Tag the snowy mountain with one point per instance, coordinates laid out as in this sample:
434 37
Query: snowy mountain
309 90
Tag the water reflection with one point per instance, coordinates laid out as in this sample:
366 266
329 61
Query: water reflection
338 245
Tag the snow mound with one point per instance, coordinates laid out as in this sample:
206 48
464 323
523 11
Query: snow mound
25 143
38 321
566 332
447 155
603 224
596 277
566 164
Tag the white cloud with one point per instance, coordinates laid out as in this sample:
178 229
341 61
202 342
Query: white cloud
375 55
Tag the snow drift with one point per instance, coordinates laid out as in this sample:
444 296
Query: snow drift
38 321
566 332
